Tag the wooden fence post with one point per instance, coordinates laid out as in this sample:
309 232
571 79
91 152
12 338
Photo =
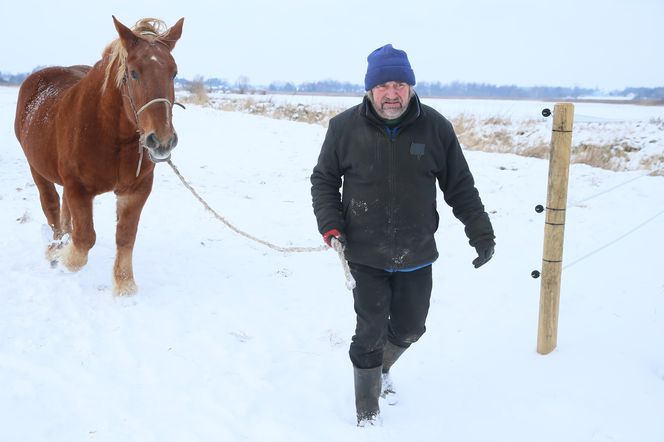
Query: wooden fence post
554 227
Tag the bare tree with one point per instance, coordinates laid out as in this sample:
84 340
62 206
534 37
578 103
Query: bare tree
243 84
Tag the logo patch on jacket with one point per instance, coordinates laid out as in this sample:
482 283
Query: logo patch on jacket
417 149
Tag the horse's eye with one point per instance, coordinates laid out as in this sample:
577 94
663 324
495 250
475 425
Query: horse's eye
134 75
175 74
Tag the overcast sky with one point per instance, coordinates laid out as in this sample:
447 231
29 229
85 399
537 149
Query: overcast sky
588 43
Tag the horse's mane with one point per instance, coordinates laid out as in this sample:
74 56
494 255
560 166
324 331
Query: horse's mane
147 29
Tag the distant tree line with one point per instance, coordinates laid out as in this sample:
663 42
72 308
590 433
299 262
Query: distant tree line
643 93
12 79
485 90
426 89
435 89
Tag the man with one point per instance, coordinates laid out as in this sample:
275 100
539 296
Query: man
388 152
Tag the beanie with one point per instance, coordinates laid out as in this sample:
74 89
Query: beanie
388 64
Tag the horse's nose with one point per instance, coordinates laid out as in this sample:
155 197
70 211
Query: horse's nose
153 142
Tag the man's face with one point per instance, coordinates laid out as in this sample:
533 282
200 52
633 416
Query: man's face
390 100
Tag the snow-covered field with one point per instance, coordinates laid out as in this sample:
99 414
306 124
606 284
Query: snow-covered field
228 340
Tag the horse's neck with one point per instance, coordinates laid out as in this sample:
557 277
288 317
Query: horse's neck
108 105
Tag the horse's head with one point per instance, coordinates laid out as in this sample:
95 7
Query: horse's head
147 83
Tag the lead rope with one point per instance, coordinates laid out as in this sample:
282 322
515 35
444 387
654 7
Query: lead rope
339 247
336 245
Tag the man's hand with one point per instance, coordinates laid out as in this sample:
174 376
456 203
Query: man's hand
334 233
484 253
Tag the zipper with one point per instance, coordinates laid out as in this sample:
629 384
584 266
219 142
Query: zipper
392 188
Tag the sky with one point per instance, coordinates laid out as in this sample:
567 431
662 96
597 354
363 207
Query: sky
589 43
228 340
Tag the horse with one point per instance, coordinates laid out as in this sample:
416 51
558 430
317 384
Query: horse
86 128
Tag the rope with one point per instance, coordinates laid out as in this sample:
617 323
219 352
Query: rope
241 232
339 248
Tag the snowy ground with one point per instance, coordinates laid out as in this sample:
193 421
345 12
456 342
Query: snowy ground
230 341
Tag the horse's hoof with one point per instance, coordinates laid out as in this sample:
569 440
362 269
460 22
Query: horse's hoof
125 288
53 251
72 258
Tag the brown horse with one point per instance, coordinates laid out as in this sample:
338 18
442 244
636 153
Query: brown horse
86 129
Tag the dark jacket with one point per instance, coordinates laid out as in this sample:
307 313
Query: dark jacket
388 210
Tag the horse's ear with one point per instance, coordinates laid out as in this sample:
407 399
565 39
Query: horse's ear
173 34
127 37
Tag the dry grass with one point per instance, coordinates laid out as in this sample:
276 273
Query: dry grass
284 111
541 150
596 155
531 139
197 93
654 163
500 135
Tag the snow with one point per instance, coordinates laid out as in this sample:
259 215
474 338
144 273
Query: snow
228 340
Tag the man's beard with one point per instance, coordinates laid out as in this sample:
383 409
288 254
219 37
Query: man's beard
387 113
390 113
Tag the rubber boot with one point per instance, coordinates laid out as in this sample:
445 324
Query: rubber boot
367 390
391 353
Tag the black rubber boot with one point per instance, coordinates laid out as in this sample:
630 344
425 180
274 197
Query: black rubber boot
391 353
367 390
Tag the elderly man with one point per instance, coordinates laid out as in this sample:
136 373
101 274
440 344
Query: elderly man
388 153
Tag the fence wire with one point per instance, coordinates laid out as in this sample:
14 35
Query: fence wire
624 235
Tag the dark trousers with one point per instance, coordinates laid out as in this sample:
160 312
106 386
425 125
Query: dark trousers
389 306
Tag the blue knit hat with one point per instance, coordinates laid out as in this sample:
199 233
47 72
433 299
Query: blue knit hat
388 64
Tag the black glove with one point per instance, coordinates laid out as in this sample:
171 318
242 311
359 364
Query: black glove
484 253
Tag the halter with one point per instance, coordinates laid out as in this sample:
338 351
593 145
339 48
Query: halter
141 146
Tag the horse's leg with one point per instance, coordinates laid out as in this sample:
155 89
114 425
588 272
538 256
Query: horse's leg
79 203
50 202
129 207
65 215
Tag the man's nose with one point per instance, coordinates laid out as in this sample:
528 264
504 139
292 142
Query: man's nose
391 92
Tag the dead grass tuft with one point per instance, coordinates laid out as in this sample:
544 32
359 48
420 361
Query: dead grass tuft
197 93
285 111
